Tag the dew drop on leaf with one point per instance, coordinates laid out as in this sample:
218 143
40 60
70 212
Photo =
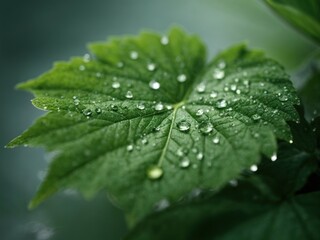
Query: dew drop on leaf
200 156
164 40
82 68
151 67
87 112
154 84
134 55
154 172
256 117
185 162
115 85
130 148
216 140
274 157
129 95
162 204
182 78
254 168
213 94
201 88
114 108
233 182
120 64
283 98
221 103
199 112
218 74
98 110
205 127
159 106
222 64
141 106
183 126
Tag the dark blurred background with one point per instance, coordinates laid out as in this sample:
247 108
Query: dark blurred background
34 34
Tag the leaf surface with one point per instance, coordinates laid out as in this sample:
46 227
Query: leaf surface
147 119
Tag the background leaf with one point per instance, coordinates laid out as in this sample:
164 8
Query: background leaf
304 15
148 121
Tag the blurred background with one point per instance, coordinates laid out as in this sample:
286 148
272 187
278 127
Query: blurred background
35 33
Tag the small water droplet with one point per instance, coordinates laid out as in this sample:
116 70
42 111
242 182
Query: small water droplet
233 87
185 162
98 74
164 40
182 151
199 112
120 64
238 91
86 58
200 156
213 94
115 85
98 110
134 55
201 88
218 74
129 95
183 126
283 98
141 106
256 117
82 68
154 84
154 172
221 103
159 106
222 64
233 182
205 127
130 148
114 107
290 141
161 205
144 141
151 67
87 112
182 78
216 140
274 157
254 168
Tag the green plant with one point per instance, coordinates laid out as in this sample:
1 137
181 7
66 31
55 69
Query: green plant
181 144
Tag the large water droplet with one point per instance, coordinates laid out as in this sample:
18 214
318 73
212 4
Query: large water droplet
183 126
129 95
201 88
159 106
141 106
144 141
218 74
185 162
182 78
134 55
115 85
205 127
151 67
154 172
154 84
221 103
164 40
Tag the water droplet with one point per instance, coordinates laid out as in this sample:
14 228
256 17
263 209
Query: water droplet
98 110
213 94
283 98
290 141
200 156
151 67
216 140
238 91
218 74
205 127
129 95
130 148
162 204
86 57
201 88
182 152
87 112
256 117
98 74
233 87
114 107
120 64
185 162
144 141
82 68
233 182
221 103
274 157
164 40
134 55
183 126
154 172
254 168
182 78
154 84
200 112
115 85
141 106
76 101
222 64
159 106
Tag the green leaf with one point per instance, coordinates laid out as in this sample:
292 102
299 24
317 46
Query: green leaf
147 119
304 15
236 215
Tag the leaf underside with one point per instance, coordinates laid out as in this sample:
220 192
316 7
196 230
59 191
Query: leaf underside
147 119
